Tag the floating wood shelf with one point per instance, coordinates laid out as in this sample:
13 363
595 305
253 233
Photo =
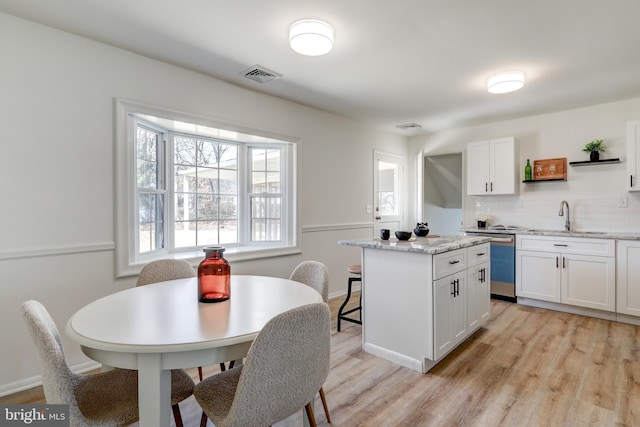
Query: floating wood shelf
528 181
596 162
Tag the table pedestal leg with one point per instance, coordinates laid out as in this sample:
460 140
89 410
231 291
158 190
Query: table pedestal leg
154 391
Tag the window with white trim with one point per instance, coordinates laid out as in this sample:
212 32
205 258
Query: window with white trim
192 186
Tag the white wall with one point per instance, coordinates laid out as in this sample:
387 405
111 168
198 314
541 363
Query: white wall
56 174
593 192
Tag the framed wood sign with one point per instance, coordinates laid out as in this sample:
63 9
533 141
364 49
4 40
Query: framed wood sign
550 169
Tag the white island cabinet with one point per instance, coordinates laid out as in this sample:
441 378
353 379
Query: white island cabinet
422 298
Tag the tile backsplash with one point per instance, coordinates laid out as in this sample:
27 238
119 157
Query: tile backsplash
608 212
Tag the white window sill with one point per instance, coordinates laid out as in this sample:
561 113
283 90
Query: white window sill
233 254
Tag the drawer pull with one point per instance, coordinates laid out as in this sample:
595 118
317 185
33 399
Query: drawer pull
558 244
454 262
480 253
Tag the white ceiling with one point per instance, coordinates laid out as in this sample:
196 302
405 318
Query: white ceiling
394 62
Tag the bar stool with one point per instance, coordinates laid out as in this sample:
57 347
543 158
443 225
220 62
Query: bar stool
356 271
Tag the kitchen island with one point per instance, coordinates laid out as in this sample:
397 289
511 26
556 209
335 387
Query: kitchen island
423 297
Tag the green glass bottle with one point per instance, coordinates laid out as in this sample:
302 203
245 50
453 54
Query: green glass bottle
527 172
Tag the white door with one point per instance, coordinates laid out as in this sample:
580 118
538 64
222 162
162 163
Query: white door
503 176
538 275
388 190
589 281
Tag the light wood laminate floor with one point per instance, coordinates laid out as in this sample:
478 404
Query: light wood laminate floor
527 367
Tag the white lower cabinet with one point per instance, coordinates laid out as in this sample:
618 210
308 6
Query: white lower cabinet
628 277
574 271
478 295
461 300
449 312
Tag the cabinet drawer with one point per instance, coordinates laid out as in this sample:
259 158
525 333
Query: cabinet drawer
567 245
478 254
449 262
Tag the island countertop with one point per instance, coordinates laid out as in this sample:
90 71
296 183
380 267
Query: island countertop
426 245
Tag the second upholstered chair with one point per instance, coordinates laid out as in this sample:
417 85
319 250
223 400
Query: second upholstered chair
286 365
104 399
316 275
163 270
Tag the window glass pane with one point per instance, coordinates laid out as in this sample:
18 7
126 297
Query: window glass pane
274 208
185 151
208 233
147 147
387 188
151 222
273 182
207 207
228 231
265 218
184 234
184 179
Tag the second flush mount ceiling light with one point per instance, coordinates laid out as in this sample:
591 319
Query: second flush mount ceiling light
311 37
508 81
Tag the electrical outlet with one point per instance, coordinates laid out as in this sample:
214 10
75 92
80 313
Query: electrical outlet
623 202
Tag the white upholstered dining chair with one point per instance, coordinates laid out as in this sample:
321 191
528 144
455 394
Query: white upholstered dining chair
316 275
102 399
286 365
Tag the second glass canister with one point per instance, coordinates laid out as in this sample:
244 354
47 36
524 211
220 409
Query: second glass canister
214 276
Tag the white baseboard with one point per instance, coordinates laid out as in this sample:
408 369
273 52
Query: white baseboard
31 382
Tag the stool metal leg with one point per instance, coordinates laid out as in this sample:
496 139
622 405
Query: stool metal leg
341 314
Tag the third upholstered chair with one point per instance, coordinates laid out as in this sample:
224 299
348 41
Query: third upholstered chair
103 399
286 365
163 270
316 275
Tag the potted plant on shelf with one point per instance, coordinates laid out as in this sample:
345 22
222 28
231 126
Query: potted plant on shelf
594 148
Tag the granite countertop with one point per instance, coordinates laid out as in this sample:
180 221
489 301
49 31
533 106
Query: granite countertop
425 245
613 235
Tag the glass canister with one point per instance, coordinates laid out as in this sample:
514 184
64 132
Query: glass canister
214 276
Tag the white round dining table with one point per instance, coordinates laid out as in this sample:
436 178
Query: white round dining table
162 326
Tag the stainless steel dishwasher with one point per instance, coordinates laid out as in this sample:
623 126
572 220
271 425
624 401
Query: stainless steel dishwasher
503 264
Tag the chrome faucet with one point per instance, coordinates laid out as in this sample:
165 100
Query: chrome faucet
567 222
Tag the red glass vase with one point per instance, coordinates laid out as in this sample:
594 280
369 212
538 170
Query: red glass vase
214 276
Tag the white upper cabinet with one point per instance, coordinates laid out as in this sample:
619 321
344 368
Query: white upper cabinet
633 155
492 167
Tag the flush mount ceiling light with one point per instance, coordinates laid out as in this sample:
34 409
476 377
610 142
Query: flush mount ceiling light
508 81
311 37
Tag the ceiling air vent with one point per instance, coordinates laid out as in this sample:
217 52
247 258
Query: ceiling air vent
260 74
408 126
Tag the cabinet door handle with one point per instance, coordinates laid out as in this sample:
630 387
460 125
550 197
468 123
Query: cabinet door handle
453 288
454 262
631 183
558 244
563 266
557 262
486 187
483 275
492 187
